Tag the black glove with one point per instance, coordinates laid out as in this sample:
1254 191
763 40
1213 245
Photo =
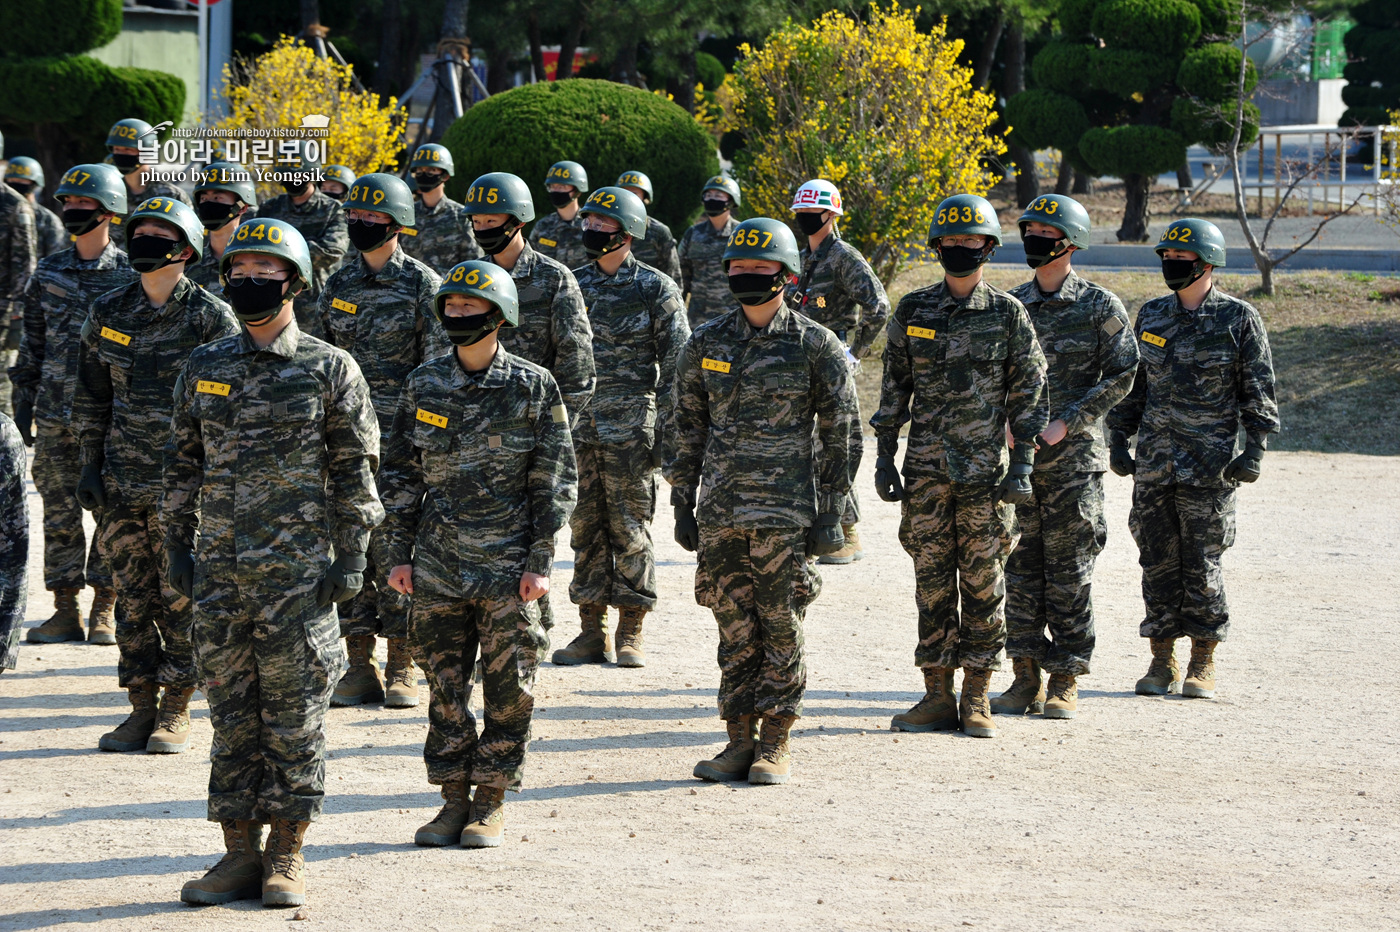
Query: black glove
24 420
687 531
887 484
1119 459
1015 489
180 572
825 536
89 492
1246 466
344 579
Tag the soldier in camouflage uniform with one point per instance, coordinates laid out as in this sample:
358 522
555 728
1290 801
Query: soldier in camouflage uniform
271 459
14 541
962 367
379 309
321 222
441 234
560 234
336 182
224 196
839 290
479 477
56 302
1089 347
639 326
658 250
765 414
701 252
26 176
132 349
1206 372
122 147
18 253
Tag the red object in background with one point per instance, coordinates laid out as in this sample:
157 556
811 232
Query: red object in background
551 61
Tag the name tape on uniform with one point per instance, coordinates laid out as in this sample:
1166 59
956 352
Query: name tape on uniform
345 306
1153 339
428 417
922 333
715 365
109 334
408 231
548 242
559 413
51 288
211 388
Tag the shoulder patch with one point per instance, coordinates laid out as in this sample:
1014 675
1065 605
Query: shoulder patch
1112 326
559 413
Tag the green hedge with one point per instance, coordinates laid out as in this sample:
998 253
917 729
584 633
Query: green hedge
1125 72
607 127
1041 119
1062 66
1165 27
1219 17
39 28
1212 125
1077 17
1132 150
49 90
1212 72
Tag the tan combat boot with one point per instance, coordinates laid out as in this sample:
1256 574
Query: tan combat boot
132 734
238 875
101 628
65 624
937 711
446 827
850 551
772 761
400 676
1163 676
283 868
975 708
594 643
362 682
1027 693
1064 697
1200 672
172 732
488 820
733 762
630 652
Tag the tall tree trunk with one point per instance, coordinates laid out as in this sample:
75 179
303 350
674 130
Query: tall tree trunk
1135 212
1027 182
452 44
624 68
986 55
1183 176
1014 50
567 50
532 31
1083 183
498 74
685 92
1066 177
310 13
386 74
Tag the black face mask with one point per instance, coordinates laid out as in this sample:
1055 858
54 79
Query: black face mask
336 195
960 261
1182 273
253 302
149 253
294 189
426 181
561 198
1042 249
810 223
601 242
215 216
126 164
754 288
494 240
80 220
368 237
714 207
464 331
23 187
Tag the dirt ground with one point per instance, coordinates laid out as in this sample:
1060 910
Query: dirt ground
1271 807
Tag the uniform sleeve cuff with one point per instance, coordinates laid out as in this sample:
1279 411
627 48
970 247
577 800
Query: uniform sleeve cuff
682 496
541 559
831 503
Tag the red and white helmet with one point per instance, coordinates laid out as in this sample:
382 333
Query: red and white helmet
818 193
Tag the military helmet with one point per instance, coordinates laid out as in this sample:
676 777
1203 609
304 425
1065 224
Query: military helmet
176 213
101 182
432 155
127 132
23 168
230 177
270 237
723 183
1195 235
766 239
818 193
500 193
621 205
339 173
485 280
965 215
386 193
1063 213
568 173
631 179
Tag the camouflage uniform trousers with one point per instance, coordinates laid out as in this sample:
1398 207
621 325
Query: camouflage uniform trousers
7 359
1182 531
1049 574
377 610
857 449
153 629
66 549
758 582
446 632
269 659
614 563
959 536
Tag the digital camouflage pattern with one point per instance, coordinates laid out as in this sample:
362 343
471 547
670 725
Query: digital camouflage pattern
442 236
703 279
14 541
479 477
69 557
207 271
560 239
614 560
271 459
658 250
18 253
1182 531
134 199
839 290
49 234
321 222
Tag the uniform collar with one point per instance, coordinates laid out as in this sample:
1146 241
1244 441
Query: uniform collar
782 322
1209 305
624 274
443 203
316 200
525 262
1068 293
824 248
495 375
285 345
980 298
106 259
391 269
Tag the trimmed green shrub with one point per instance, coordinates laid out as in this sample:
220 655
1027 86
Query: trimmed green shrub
1132 150
1077 17
1219 17
709 70
1212 71
1127 71
607 127
1212 125
1062 66
49 90
1166 27
154 96
41 28
1042 119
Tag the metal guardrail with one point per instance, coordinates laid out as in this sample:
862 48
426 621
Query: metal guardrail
1326 170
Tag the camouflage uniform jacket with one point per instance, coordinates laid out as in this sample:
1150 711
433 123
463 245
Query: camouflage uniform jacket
1088 343
49 233
746 401
560 239
839 290
1203 375
271 458
962 369
129 357
701 253
553 331
133 201
206 272
479 475
321 221
639 327
56 302
442 235
18 253
658 250
14 541
384 320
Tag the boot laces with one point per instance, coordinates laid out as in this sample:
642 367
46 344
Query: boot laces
1061 688
487 804
282 854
